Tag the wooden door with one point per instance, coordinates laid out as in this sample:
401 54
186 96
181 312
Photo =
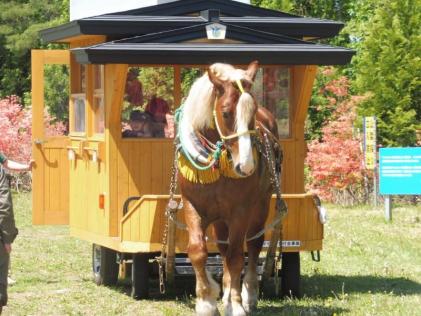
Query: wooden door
50 176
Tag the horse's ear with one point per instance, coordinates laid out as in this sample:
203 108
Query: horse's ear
252 70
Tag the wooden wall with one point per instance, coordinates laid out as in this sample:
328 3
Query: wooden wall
87 179
143 226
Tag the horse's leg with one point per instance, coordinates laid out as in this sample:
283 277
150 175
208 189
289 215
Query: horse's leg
207 290
221 232
250 288
235 264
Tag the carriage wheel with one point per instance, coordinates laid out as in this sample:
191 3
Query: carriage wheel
104 265
290 275
140 276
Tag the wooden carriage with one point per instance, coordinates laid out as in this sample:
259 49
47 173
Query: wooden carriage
87 178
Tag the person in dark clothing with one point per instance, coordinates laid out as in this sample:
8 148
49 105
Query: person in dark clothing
8 230
140 125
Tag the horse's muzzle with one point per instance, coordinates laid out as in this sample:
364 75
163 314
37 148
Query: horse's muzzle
243 173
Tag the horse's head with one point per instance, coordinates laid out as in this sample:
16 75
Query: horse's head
234 111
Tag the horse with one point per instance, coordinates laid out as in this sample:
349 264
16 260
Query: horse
221 113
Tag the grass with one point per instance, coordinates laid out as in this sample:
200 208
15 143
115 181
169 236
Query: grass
368 267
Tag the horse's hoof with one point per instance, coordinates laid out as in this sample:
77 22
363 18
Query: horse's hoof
234 309
206 308
249 308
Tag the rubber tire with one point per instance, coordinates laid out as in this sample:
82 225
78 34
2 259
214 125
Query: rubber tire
104 265
290 275
140 276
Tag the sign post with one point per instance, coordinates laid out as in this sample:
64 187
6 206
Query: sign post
400 173
370 150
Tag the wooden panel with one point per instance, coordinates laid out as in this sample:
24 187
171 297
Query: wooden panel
143 166
86 40
50 174
144 224
303 77
87 181
288 168
114 91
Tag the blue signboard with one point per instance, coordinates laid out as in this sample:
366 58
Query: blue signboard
400 170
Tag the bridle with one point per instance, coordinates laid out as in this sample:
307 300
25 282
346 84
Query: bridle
218 128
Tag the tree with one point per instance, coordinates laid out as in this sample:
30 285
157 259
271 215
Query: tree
388 66
281 5
336 172
329 90
20 22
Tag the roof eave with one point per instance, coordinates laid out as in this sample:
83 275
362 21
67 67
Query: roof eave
335 56
126 28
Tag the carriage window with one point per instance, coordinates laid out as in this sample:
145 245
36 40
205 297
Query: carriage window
78 101
78 98
148 102
271 89
98 101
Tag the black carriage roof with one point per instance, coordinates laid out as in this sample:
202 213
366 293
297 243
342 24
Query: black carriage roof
146 36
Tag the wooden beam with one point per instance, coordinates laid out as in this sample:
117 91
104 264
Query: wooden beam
115 79
303 84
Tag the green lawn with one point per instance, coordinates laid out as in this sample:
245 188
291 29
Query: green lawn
368 267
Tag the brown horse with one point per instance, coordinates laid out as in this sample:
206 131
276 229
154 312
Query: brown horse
220 107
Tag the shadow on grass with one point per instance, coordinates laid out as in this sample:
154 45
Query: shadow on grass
289 308
323 285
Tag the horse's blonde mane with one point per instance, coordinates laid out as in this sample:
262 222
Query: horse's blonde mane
198 106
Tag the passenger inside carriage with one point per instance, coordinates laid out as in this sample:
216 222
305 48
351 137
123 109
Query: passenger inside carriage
149 90
158 107
163 122
141 125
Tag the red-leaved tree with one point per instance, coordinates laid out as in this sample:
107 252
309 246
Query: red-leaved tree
336 170
16 131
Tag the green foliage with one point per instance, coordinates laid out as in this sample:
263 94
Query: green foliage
327 9
281 5
329 89
388 67
157 81
20 22
188 76
57 91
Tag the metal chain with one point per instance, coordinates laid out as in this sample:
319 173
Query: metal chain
274 175
170 210
275 172
280 204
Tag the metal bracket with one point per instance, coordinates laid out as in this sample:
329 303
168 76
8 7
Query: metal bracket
39 141
315 255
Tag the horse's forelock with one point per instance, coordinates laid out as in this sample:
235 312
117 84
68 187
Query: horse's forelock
226 72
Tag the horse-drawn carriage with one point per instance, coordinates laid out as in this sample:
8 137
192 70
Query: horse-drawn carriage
112 190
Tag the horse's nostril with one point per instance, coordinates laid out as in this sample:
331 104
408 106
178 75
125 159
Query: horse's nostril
238 169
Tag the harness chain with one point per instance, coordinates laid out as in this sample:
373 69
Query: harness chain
272 261
170 211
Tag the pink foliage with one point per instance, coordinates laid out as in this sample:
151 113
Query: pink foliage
335 162
16 129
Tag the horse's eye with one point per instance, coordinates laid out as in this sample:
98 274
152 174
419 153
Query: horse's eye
225 115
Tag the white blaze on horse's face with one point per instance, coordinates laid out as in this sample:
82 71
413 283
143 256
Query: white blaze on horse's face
245 113
232 96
